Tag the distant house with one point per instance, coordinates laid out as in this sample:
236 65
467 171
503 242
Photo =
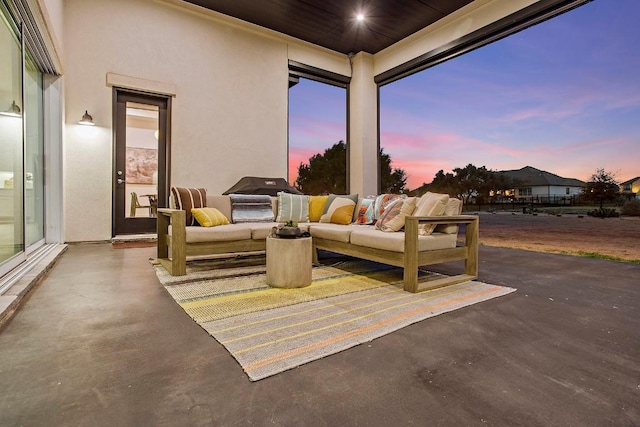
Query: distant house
544 187
631 188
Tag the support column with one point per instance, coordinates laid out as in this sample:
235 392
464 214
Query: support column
363 127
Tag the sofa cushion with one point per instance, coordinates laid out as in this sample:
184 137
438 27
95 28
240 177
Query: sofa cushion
340 211
209 217
337 232
222 233
251 208
188 198
453 208
377 239
292 207
260 230
393 217
430 204
316 207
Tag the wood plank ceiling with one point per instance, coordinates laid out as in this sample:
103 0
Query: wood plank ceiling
332 23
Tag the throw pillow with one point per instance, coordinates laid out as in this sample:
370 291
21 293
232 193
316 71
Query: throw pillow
365 211
316 207
453 208
393 217
209 217
382 201
431 204
332 197
292 207
251 208
189 198
340 211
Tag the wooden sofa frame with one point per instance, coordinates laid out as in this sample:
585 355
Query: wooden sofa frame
176 265
410 260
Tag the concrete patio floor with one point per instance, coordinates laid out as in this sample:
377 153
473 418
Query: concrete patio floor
100 343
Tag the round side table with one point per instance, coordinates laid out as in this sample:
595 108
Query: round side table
289 262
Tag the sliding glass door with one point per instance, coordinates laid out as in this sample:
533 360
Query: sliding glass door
34 156
11 146
22 221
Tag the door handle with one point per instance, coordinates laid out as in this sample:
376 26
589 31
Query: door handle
120 181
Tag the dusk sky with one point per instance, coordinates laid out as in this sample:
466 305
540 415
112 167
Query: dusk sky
562 96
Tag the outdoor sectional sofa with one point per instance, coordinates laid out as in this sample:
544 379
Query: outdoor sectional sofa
406 248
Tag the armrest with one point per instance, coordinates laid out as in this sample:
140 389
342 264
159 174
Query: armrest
411 246
455 219
471 230
177 219
178 240
169 212
174 217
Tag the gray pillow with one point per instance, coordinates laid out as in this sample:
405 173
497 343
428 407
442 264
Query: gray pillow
251 208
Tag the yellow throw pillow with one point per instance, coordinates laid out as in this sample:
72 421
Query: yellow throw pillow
209 217
340 211
316 207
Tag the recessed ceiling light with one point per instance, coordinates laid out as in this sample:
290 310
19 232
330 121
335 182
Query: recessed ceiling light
360 17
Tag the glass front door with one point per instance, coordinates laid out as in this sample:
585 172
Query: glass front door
141 123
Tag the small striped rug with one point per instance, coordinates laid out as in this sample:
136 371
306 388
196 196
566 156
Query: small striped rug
270 330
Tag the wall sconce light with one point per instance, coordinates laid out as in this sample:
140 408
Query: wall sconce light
86 120
13 111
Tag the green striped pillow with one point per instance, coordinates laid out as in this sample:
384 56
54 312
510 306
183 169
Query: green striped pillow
292 207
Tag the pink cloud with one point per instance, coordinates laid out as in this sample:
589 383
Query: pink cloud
297 156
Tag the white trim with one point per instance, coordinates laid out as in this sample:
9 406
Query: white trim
10 264
25 267
136 83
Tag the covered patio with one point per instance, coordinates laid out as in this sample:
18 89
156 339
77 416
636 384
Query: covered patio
100 342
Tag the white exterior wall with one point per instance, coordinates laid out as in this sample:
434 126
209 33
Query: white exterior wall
562 190
229 114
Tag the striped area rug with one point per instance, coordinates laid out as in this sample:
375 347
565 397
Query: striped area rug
270 330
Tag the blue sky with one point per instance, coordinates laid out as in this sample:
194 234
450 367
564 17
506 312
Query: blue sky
562 96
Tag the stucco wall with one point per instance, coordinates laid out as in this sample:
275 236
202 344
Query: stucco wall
229 115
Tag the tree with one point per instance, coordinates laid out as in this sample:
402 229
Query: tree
391 180
444 183
602 188
327 173
471 182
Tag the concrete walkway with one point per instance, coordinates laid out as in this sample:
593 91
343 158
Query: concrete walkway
100 343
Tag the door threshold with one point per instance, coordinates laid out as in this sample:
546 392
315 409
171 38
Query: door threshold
123 238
